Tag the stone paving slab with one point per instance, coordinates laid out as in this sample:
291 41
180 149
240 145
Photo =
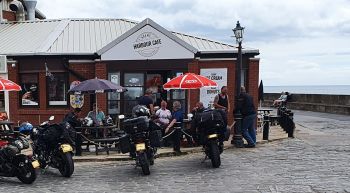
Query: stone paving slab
276 133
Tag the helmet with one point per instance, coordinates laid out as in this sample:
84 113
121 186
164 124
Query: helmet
88 121
140 110
108 120
25 127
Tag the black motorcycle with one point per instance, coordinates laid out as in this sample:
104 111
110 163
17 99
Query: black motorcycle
53 146
210 125
13 162
141 140
212 148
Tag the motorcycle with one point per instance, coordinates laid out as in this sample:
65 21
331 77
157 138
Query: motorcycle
210 125
141 140
53 146
211 145
14 162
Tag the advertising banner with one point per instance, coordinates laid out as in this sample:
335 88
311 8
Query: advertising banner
219 75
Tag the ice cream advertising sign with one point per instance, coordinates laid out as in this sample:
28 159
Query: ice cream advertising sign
219 75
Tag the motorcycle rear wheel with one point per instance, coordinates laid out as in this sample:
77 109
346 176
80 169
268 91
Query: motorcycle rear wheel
214 155
66 165
29 176
144 162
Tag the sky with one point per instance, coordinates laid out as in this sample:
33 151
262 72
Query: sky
301 42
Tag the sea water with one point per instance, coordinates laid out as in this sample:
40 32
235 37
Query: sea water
309 89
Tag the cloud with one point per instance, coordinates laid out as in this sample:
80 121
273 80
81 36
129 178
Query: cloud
297 39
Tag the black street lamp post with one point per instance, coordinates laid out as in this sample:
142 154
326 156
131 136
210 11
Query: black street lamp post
237 138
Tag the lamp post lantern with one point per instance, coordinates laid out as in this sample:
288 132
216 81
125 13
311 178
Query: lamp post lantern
237 138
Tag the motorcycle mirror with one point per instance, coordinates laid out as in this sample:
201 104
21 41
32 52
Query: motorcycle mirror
121 116
44 123
189 115
52 118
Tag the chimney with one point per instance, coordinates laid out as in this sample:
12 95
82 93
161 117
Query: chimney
17 7
30 6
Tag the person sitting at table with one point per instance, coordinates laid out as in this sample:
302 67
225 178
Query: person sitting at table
163 115
97 116
281 99
3 116
176 121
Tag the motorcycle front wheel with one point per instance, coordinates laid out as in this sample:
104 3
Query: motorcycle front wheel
27 173
66 164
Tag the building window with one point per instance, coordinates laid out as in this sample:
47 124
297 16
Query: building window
114 98
30 90
57 87
134 82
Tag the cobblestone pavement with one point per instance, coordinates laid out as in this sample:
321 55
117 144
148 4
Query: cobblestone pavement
317 160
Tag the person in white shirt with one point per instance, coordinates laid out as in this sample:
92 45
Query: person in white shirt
163 115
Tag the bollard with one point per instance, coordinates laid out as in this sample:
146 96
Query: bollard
266 127
291 125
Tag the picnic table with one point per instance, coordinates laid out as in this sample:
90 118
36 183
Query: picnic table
96 135
265 111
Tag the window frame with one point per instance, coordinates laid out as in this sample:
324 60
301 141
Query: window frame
119 101
19 93
66 75
122 81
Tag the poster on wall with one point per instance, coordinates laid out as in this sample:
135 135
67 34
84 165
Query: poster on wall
219 75
76 100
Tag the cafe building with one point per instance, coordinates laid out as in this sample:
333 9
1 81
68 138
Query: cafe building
48 57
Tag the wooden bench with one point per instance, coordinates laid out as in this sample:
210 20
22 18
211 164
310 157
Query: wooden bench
106 144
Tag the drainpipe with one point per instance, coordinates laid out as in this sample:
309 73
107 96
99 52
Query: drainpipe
1 19
30 6
17 7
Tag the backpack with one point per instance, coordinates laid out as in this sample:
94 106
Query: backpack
209 118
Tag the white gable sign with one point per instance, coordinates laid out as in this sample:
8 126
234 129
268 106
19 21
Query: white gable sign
147 43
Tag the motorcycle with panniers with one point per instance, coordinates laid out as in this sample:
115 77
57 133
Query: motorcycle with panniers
211 125
142 138
53 146
14 162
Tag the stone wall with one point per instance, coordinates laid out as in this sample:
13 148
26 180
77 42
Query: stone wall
339 104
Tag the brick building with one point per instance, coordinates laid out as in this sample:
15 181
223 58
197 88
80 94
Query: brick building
138 56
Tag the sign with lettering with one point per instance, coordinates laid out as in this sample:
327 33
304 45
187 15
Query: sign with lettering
147 43
76 100
219 75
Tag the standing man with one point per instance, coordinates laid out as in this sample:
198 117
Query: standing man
221 100
246 106
73 119
147 101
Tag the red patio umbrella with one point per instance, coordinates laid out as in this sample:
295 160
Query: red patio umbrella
189 81
8 85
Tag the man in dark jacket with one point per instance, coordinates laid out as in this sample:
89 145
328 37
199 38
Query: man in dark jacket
72 117
246 106
73 120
